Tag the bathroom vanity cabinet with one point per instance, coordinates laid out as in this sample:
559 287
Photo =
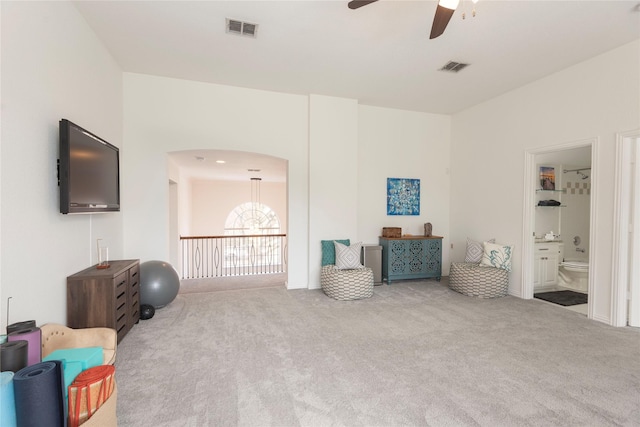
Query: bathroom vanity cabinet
546 260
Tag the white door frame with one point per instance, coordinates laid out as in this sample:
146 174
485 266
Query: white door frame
623 225
528 229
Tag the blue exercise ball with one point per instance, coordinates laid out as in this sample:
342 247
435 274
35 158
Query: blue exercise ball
159 283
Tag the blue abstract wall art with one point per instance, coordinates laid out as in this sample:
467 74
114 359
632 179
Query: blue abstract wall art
403 196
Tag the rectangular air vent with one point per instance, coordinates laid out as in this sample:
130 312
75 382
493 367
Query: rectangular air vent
241 28
453 66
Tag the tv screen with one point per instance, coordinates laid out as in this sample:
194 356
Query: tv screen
89 172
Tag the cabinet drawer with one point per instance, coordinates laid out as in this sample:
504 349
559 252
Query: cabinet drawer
121 282
120 288
134 295
134 286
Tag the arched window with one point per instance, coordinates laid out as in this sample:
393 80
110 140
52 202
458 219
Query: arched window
259 251
251 218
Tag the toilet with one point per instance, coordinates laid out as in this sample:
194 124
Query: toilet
574 274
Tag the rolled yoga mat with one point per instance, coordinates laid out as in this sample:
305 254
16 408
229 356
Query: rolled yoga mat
33 336
18 326
13 355
7 400
39 395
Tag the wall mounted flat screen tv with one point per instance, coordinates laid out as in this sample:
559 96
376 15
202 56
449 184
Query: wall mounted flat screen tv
88 172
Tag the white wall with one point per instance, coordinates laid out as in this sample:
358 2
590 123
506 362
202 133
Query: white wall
345 195
333 175
596 98
213 201
53 67
163 115
403 144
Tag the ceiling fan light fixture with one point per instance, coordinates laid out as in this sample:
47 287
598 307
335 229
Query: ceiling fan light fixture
450 4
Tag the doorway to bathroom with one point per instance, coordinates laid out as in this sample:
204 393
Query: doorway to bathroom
559 200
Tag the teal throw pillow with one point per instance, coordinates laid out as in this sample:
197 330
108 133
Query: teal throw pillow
329 250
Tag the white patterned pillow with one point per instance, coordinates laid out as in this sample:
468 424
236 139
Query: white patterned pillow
348 257
498 256
475 250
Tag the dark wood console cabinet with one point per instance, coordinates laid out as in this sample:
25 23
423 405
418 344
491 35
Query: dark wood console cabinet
105 297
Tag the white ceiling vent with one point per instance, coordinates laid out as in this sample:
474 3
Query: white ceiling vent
453 67
241 28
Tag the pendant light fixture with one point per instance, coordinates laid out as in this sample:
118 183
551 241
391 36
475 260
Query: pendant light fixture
255 205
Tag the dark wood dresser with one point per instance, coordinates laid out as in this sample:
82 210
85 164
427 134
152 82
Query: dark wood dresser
105 297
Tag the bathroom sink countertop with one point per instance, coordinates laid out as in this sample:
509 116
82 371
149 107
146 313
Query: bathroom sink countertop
543 240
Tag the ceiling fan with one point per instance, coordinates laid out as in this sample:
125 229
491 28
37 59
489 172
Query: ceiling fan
443 15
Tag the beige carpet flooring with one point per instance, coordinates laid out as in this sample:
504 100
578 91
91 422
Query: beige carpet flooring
415 354
228 283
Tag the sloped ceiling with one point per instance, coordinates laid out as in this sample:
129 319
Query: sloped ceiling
379 54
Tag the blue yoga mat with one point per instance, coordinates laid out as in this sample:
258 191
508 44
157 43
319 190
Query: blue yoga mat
39 394
7 400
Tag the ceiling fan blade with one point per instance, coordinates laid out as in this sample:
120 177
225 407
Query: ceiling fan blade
354 4
440 20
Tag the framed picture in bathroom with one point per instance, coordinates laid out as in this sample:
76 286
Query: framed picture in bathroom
547 178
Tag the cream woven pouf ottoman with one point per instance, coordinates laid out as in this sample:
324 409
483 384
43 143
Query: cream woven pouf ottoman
475 280
346 284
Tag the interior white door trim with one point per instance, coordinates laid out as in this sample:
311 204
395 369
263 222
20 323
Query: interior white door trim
622 222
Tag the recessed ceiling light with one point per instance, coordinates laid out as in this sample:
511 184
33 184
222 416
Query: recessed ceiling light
220 161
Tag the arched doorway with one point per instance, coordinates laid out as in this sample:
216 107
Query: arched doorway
213 189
